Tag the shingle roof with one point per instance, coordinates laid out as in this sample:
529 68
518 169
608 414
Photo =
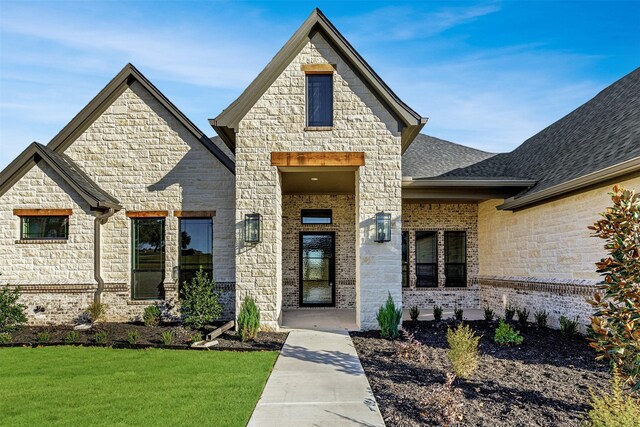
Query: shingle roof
601 133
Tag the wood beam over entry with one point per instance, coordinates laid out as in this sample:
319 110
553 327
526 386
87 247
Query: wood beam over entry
329 158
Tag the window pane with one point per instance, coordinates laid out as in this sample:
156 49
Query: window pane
426 258
196 247
405 259
148 258
455 253
316 216
319 100
45 227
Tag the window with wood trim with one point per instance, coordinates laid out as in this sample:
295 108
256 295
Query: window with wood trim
316 216
44 227
319 100
426 259
405 259
147 258
455 258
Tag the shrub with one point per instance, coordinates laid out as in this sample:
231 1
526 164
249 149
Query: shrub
541 316
444 403
12 314
617 304
72 337
458 313
505 334
437 313
488 314
389 318
195 337
43 337
463 350
133 336
96 311
613 408
151 315
414 312
5 337
568 326
248 320
167 337
101 337
411 348
523 316
509 312
199 303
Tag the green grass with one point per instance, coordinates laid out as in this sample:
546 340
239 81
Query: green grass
103 386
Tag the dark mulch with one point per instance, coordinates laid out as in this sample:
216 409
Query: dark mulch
150 336
543 382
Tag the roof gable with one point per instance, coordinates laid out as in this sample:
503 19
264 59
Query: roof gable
226 123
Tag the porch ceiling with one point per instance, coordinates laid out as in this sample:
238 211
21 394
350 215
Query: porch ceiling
325 182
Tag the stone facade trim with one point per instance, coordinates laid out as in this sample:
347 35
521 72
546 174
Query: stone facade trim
566 287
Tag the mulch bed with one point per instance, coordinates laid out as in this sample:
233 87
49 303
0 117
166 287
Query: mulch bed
150 336
543 382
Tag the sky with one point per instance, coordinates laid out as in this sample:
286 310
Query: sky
487 74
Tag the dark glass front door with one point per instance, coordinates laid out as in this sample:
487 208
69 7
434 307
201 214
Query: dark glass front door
317 269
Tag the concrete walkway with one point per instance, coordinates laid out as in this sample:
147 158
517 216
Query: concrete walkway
317 381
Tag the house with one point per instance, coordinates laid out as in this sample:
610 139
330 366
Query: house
319 192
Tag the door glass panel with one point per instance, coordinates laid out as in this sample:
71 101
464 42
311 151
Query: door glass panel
148 258
196 247
316 269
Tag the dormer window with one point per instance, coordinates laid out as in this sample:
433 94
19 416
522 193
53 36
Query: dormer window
320 100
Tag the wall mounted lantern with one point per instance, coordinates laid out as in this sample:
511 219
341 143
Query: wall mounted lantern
253 228
383 227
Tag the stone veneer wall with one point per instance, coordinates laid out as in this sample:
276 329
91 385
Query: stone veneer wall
138 152
442 217
277 123
343 211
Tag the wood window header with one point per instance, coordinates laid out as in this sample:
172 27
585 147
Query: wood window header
42 212
147 214
318 68
333 158
194 214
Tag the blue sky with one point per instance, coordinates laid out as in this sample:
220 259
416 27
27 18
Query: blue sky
487 74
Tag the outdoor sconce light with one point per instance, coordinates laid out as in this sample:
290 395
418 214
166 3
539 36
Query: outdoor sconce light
253 228
383 227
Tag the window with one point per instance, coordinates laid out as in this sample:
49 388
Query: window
319 100
196 247
405 259
44 227
316 216
455 258
426 259
147 258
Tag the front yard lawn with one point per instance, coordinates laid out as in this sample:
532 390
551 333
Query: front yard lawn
104 386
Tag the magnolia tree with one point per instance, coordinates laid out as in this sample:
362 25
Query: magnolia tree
616 321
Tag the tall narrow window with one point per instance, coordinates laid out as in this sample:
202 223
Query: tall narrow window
405 259
196 248
44 227
319 100
147 258
426 259
455 258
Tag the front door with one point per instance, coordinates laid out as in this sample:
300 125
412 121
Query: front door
317 269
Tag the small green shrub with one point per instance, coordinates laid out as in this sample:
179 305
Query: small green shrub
195 337
613 408
5 337
568 326
389 318
509 312
199 301
488 314
505 334
463 350
167 337
12 314
101 337
437 313
414 312
248 320
541 318
523 316
151 315
43 337
72 337
96 311
458 313
133 336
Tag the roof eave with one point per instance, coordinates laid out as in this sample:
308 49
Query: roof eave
467 183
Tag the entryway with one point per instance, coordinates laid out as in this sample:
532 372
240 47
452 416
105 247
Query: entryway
317 269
